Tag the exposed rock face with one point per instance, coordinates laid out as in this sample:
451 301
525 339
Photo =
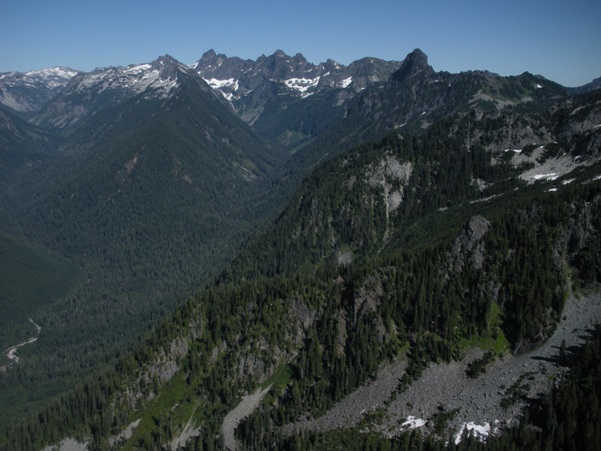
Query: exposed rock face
281 74
467 247
28 92
414 63
279 94
89 93
388 173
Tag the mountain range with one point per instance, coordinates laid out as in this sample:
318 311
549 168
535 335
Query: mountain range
201 231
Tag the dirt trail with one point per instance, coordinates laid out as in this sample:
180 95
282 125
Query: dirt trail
11 353
447 387
247 406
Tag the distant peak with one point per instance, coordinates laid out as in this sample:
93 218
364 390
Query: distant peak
58 71
417 53
209 54
414 63
166 64
299 57
280 54
166 59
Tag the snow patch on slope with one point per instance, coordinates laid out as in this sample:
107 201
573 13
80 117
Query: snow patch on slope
302 85
413 423
543 167
134 78
137 69
479 432
346 82
220 84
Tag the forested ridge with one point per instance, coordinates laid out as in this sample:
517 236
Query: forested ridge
145 211
341 323
176 290
371 196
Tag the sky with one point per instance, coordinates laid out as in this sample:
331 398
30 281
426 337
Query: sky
558 39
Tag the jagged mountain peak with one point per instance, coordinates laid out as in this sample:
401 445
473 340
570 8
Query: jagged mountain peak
88 93
220 66
168 67
135 78
280 54
166 60
414 63
209 54
281 84
26 93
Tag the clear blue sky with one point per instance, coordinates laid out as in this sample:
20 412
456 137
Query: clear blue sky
559 39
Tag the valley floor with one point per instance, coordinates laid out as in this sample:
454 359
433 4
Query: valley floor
445 387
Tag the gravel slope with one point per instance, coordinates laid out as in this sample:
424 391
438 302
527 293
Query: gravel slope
446 386
248 404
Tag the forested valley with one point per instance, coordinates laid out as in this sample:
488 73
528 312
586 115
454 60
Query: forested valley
181 261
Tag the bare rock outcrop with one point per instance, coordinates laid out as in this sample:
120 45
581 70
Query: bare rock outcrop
468 247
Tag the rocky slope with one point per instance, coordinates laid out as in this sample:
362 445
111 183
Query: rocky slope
91 92
286 97
281 74
495 398
26 93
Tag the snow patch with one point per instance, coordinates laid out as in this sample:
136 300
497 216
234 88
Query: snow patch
135 78
302 85
52 72
346 82
413 423
479 432
550 176
219 84
136 69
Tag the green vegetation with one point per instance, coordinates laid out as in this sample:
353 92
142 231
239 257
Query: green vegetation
31 279
449 251
343 322
148 209
441 418
168 412
278 382
493 341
